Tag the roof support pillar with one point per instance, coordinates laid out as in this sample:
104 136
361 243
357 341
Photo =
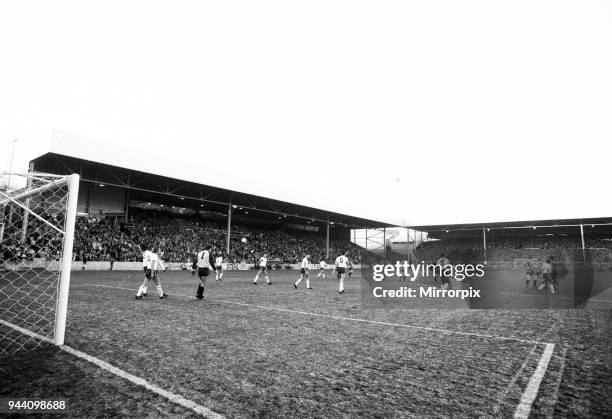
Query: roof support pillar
127 205
229 227
127 200
385 241
484 243
408 244
327 242
583 247
420 243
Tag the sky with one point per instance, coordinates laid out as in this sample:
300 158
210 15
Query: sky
434 112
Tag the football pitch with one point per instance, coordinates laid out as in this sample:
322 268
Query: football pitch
273 351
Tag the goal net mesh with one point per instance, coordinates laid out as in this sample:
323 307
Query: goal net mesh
522 263
32 234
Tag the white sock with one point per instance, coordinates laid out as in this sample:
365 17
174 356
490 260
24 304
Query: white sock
307 283
267 280
159 290
298 281
140 291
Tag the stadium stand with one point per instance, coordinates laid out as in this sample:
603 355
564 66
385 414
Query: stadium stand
509 249
179 238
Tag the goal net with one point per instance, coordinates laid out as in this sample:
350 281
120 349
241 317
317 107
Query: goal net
37 224
522 263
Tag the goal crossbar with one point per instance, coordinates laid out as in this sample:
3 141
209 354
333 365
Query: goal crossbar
40 189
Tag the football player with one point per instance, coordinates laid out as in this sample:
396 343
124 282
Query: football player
322 269
304 273
219 268
146 257
263 269
340 268
151 274
205 263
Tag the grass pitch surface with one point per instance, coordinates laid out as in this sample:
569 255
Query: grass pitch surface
273 351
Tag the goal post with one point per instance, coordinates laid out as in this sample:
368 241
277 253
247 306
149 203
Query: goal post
38 224
64 281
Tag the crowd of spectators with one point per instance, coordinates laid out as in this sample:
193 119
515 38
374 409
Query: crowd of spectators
40 241
179 238
509 249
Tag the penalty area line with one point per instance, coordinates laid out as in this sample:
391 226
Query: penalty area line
352 319
523 410
512 382
174 398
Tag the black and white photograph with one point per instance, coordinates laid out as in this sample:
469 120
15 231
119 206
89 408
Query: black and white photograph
291 209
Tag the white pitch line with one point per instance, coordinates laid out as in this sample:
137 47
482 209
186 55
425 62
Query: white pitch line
524 408
560 377
504 394
329 316
174 398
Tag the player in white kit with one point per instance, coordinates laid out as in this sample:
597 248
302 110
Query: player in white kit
322 267
304 273
146 255
341 264
219 268
153 265
263 269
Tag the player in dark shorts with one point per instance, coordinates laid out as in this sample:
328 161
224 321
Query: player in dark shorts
205 265
554 273
531 274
